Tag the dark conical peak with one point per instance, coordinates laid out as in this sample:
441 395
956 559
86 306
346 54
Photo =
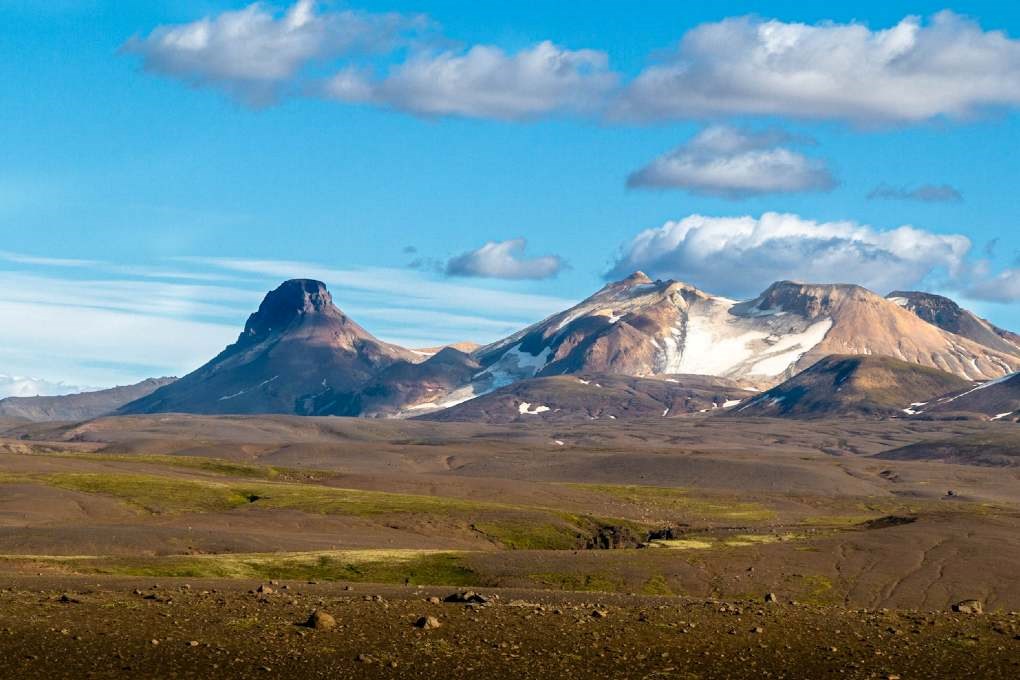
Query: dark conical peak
293 299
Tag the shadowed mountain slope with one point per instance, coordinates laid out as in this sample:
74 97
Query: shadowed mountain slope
852 386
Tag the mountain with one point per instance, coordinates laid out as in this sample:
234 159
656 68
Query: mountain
947 315
596 396
995 399
81 406
298 354
644 328
406 388
852 385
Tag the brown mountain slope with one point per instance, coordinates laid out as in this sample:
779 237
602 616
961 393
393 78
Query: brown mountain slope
852 385
865 323
83 406
596 396
947 315
295 349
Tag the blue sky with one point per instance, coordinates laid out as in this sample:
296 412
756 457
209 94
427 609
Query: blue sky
153 186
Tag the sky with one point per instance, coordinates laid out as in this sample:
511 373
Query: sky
455 171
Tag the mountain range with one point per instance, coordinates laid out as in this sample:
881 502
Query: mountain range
635 347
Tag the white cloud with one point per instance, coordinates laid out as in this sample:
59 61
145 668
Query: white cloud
725 161
503 260
913 71
254 53
485 82
21 386
738 256
1001 287
21 258
926 193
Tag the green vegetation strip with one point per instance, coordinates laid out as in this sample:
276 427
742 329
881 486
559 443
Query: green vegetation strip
680 500
418 567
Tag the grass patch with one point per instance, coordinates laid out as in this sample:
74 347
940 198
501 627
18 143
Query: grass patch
817 589
219 466
530 534
153 494
738 541
416 567
656 585
680 501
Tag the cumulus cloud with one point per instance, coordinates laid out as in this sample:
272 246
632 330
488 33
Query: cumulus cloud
504 260
485 82
926 193
913 71
733 163
254 53
739 255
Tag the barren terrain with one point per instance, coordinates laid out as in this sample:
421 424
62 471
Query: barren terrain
663 523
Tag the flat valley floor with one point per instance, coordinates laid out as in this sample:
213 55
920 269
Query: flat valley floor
137 547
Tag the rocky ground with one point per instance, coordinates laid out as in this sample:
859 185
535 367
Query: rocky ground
71 627
197 547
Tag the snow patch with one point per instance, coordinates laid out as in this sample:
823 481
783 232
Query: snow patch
791 348
525 409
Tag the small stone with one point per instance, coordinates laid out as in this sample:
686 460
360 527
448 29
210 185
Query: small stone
154 641
265 590
758 630
771 598
969 607
193 643
599 614
433 600
427 623
320 620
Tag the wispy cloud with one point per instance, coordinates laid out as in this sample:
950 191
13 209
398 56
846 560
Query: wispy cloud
926 193
21 258
112 324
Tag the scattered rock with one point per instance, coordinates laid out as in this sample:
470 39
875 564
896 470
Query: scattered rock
433 600
427 623
467 597
599 614
771 598
969 607
320 620
68 599
193 643
264 590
